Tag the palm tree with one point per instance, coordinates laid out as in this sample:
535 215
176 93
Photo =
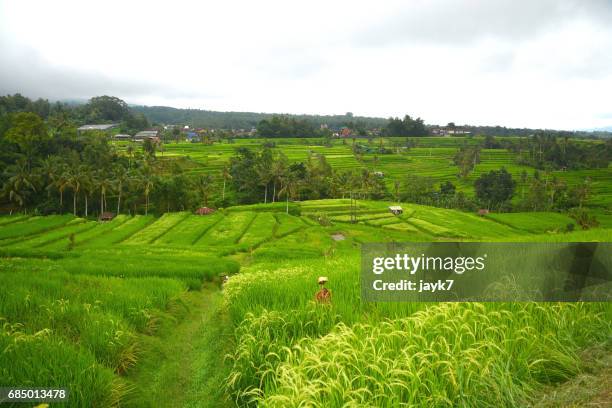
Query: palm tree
49 168
104 185
74 177
87 185
61 183
130 153
226 175
147 180
279 168
204 185
290 186
122 178
20 183
264 175
366 182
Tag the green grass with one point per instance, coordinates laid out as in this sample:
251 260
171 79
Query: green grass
534 222
81 238
184 365
30 226
287 224
118 233
157 229
9 219
228 231
189 230
261 229
77 225
192 268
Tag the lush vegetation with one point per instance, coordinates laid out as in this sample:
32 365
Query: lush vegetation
102 297
128 312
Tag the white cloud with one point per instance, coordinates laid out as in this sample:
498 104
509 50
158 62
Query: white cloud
515 63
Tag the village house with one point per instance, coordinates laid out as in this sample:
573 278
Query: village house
446 131
152 135
100 127
345 132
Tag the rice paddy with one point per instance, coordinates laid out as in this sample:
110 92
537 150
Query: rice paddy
83 302
432 157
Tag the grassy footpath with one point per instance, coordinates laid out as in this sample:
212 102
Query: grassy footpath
183 365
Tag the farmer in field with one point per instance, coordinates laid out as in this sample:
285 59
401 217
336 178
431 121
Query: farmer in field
323 296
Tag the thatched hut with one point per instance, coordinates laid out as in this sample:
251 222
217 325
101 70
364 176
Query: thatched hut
396 209
106 216
204 211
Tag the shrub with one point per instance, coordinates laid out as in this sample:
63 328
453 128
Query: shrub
583 218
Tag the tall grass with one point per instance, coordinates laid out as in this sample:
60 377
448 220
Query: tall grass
42 359
447 355
77 331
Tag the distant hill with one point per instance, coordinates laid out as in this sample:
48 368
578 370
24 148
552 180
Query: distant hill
242 120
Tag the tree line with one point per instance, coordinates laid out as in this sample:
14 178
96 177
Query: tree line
547 151
98 110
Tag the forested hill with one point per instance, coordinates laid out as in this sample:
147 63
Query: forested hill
242 120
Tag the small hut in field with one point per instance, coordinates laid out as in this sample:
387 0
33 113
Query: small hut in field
204 211
396 210
106 216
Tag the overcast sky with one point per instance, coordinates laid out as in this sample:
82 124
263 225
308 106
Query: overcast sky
544 63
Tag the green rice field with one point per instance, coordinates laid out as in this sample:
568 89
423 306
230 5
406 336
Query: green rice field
432 157
133 312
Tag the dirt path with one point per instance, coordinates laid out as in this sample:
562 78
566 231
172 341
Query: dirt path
183 365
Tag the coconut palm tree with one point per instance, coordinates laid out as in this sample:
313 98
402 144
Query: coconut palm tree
105 186
130 153
20 183
87 185
290 187
61 183
264 176
226 175
74 176
278 169
147 181
366 182
122 178
396 189
204 184
49 169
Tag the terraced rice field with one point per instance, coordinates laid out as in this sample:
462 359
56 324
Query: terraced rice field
156 230
80 296
229 230
432 157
